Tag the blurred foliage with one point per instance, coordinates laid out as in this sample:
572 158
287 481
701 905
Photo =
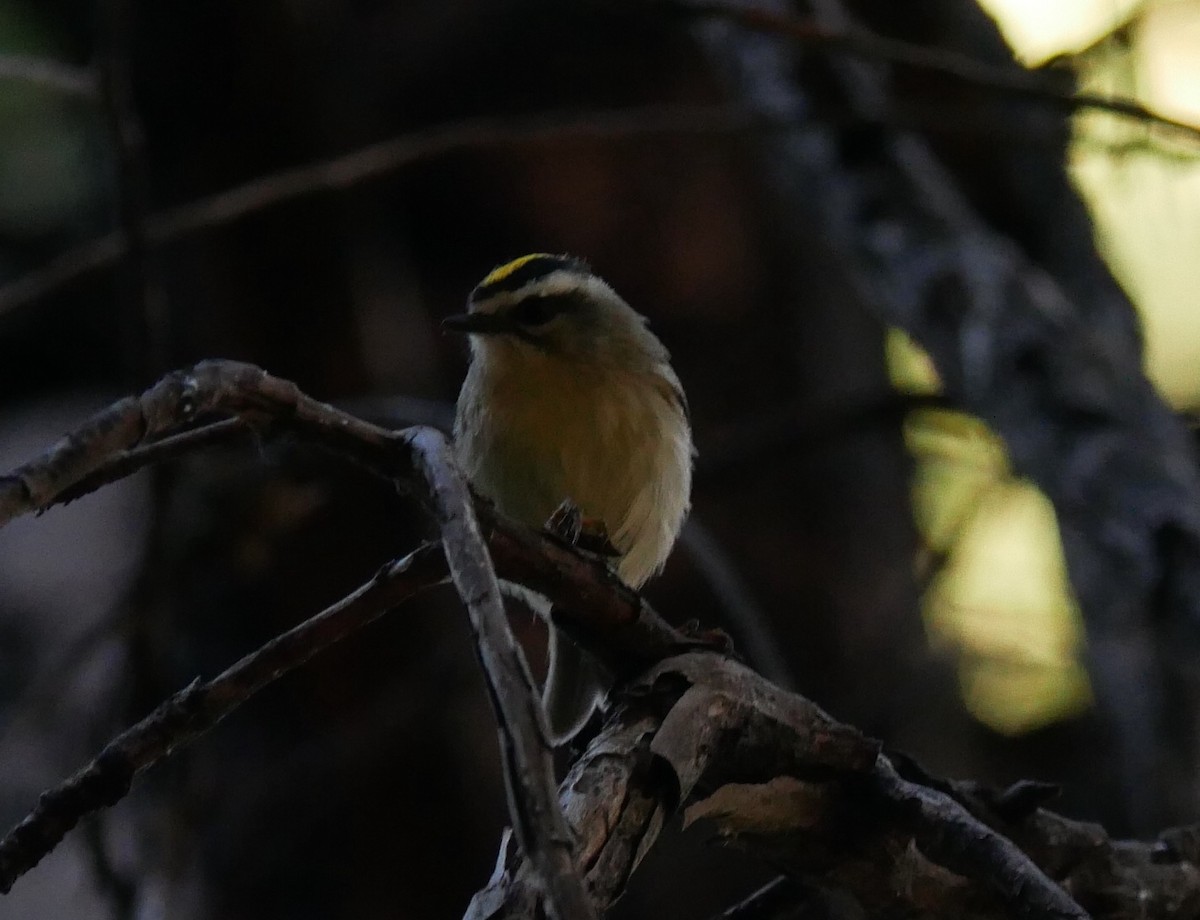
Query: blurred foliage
1143 186
998 591
1038 31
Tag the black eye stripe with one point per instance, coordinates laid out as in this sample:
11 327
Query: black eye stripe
537 311
532 311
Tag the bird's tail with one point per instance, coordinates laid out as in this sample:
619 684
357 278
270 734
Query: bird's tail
575 682
575 687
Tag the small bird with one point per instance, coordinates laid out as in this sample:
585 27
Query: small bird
569 398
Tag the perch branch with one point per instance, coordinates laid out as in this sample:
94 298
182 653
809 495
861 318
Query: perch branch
526 754
610 617
774 773
780 778
133 432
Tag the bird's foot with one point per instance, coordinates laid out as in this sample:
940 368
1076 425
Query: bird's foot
588 534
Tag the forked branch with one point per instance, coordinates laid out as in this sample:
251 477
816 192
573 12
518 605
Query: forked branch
693 729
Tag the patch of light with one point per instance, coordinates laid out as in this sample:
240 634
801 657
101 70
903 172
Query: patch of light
1003 602
1041 29
999 598
1143 189
1168 62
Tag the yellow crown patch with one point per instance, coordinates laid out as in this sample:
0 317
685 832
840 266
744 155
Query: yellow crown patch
499 274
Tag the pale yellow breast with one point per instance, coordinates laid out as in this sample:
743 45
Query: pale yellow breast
617 444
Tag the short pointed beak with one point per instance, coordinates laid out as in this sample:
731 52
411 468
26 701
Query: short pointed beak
478 323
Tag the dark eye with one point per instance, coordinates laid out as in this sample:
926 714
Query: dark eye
535 311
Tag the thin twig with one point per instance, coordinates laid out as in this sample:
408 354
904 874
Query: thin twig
60 271
368 163
201 705
377 160
129 462
806 426
859 42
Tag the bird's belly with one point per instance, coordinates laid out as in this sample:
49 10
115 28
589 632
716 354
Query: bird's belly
622 463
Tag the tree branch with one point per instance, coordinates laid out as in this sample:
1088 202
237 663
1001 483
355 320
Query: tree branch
857 42
526 754
772 774
693 730
200 706
364 164
133 432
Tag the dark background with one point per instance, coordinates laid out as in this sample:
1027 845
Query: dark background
367 785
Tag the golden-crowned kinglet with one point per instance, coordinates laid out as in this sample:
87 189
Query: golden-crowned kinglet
569 397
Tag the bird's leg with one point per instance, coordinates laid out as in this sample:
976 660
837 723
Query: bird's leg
588 534
566 522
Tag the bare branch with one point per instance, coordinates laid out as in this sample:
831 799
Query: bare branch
948 834
621 628
129 462
201 705
771 771
616 807
364 164
60 271
210 389
899 840
540 827
123 437
778 777
857 42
